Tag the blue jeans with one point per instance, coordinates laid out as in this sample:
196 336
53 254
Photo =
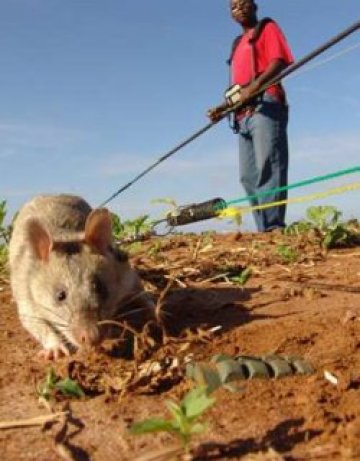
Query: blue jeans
264 159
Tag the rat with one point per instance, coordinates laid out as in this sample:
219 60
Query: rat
66 274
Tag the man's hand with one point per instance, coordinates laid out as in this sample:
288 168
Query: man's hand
248 92
216 113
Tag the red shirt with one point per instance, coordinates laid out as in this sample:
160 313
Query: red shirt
270 45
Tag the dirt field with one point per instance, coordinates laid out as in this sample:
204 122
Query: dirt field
304 303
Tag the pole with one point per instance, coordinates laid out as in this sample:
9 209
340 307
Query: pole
161 159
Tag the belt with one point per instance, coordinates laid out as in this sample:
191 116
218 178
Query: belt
246 111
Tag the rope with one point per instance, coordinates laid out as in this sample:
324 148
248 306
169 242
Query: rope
229 212
305 182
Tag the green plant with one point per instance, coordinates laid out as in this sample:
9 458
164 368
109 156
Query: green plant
323 217
130 228
169 202
326 221
287 253
166 201
52 384
185 414
243 277
155 250
4 255
298 228
208 237
5 233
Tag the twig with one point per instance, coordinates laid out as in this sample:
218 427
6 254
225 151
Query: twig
37 421
178 281
161 298
216 277
123 325
195 254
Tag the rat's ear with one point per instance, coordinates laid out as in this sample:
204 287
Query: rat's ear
39 240
98 230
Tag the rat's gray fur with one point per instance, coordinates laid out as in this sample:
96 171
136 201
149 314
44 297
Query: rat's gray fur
65 274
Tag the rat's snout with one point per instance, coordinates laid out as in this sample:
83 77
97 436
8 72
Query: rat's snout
87 335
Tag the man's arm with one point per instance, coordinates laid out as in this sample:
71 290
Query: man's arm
246 93
274 68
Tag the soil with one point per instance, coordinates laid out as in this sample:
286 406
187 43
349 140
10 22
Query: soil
303 302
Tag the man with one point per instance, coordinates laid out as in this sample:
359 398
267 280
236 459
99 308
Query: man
262 123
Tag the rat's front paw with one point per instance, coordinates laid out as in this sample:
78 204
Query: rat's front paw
54 352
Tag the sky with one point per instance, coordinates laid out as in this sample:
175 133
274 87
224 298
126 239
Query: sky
92 92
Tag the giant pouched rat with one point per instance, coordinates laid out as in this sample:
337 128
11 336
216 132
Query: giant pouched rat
66 275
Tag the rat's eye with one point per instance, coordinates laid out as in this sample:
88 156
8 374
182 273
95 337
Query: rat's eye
100 288
61 295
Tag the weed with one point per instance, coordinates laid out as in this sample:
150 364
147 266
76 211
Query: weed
154 250
53 384
243 277
326 221
5 233
4 255
130 229
208 238
169 202
323 217
287 253
185 414
298 228
166 201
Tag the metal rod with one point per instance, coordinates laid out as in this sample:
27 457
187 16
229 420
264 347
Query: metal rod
318 51
161 159
275 80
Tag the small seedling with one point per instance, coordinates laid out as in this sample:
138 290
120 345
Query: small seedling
207 239
287 253
5 233
52 383
166 201
130 228
155 250
326 221
298 228
323 217
243 277
185 414
4 255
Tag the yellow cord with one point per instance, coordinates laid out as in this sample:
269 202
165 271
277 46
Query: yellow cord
238 211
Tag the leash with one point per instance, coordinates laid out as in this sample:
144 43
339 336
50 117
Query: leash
305 182
306 198
219 207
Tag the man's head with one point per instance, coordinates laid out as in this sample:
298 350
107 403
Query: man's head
244 12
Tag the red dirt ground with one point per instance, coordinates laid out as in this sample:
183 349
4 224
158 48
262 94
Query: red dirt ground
310 308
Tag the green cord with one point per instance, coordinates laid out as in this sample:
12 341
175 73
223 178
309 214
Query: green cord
306 182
